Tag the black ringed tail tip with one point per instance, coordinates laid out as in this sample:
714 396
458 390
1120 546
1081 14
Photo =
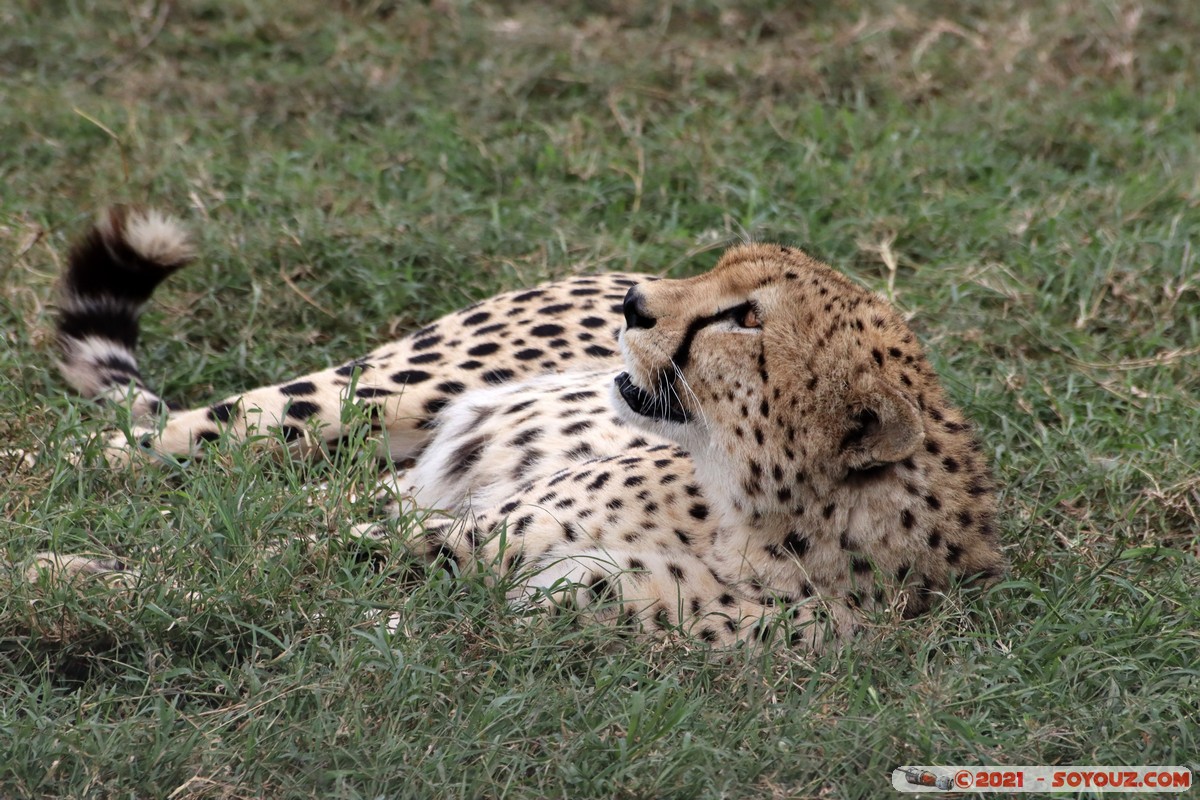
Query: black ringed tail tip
111 272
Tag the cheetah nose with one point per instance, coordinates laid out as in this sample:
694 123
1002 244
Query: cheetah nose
635 310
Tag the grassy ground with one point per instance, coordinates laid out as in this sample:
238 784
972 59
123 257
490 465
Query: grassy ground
1020 176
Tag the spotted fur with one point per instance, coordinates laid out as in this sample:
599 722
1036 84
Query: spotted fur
715 455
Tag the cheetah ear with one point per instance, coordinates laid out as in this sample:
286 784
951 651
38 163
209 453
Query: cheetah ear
884 426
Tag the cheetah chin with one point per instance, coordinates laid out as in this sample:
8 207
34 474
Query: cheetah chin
774 460
662 405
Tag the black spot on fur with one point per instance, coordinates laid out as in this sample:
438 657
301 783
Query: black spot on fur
408 377
978 487
579 451
577 427
299 389
600 589
222 412
496 377
440 551
483 349
796 544
467 455
427 342
527 461
302 409
547 330
525 437
436 404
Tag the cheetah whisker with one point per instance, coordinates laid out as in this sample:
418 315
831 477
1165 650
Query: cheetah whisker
699 408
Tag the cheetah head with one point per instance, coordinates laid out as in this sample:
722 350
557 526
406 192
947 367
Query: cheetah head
776 372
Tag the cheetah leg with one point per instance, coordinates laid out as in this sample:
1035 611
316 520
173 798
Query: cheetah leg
677 592
660 591
392 499
314 410
74 568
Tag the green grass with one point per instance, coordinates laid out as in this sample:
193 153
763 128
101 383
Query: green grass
1021 176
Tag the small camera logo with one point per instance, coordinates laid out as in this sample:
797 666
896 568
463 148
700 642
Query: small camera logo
1043 779
923 777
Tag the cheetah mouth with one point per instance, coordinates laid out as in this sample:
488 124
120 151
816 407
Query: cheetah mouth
661 405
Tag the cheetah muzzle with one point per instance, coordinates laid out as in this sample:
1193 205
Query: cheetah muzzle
663 404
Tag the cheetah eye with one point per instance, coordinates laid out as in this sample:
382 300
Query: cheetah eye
746 316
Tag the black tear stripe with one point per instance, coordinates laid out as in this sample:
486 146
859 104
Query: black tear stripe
683 353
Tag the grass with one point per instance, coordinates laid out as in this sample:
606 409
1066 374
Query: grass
1021 178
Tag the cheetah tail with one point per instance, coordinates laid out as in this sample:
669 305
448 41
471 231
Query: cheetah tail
110 275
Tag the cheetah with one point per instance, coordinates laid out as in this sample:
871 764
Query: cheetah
760 447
